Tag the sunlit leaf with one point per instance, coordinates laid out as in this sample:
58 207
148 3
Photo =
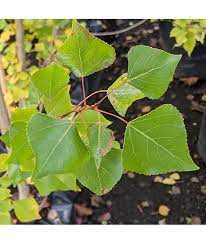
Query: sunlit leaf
156 143
26 210
56 145
85 54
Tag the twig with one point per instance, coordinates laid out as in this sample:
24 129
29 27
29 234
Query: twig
113 115
111 33
83 90
76 108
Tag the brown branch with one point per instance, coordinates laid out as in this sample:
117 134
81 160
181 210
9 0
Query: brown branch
113 115
83 91
20 42
23 187
4 114
77 109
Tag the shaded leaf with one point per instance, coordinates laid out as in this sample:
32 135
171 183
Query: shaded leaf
102 179
61 182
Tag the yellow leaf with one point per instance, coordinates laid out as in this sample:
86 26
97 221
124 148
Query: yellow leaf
175 176
8 97
5 62
58 43
68 31
3 159
49 38
5 36
163 210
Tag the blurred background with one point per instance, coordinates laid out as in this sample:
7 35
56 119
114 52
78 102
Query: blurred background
178 198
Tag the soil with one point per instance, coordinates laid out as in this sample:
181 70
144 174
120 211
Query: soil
136 198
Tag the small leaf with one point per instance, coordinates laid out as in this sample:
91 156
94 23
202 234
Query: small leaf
85 54
3 161
5 218
61 182
156 143
16 175
26 210
63 152
88 118
122 94
4 193
102 179
52 83
164 210
5 206
151 70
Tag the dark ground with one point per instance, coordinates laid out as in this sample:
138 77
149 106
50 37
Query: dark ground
136 198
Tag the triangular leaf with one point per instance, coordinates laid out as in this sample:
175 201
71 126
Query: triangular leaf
56 145
156 143
52 83
85 54
151 70
101 180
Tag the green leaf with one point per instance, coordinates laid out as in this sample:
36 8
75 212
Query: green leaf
5 206
56 144
85 54
4 193
3 161
88 118
26 210
52 83
102 179
23 114
151 70
156 143
5 181
16 175
121 94
5 218
61 182
100 140
21 150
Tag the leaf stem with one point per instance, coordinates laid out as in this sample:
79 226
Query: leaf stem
83 90
113 115
82 108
